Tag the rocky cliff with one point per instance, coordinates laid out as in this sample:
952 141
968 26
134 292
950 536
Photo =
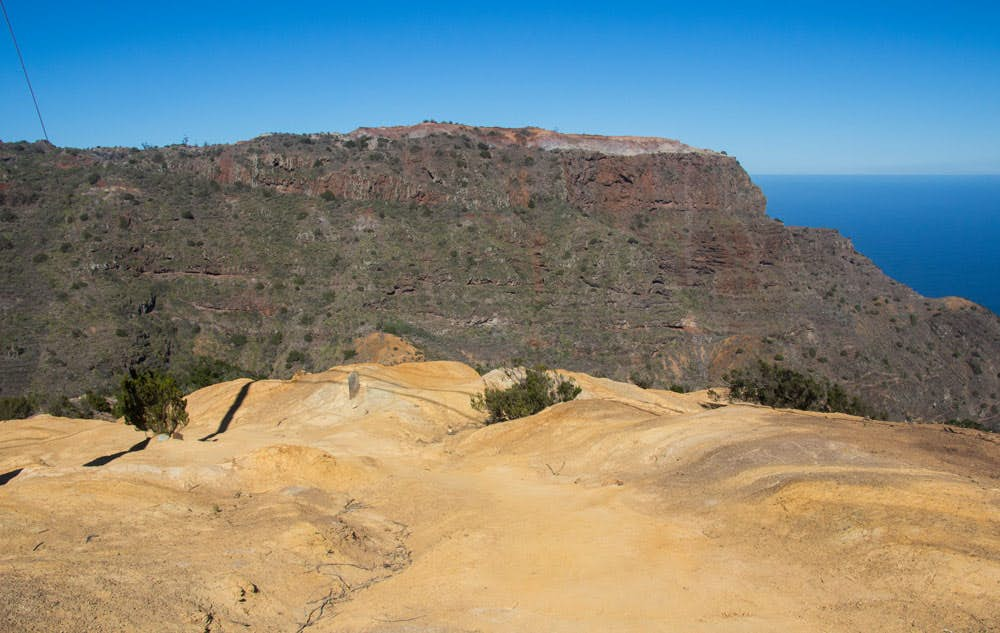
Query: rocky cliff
631 257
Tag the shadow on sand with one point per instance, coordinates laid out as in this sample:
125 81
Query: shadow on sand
226 419
4 478
101 461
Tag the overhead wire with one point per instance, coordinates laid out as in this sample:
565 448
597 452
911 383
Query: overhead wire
24 68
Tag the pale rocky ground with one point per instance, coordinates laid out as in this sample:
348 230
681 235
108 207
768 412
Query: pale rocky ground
624 510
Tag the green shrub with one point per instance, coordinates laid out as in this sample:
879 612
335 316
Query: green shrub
776 386
537 390
152 401
17 407
207 371
640 380
96 402
294 356
967 424
63 407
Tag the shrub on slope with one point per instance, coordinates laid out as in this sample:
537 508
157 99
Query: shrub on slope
151 401
776 386
535 391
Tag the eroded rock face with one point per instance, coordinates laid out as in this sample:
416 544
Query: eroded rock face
436 164
623 256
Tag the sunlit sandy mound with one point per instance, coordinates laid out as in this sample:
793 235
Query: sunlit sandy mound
283 465
44 441
290 505
396 410
385 349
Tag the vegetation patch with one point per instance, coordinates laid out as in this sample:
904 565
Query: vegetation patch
207 371
776 386
152 401
537 390
17 407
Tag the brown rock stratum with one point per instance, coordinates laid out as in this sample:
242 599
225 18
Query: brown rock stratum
624 510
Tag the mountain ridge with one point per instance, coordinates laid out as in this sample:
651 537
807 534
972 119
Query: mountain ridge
275 254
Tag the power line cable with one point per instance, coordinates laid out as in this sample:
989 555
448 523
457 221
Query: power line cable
24 68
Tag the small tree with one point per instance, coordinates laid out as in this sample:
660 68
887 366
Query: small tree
152 401
529 395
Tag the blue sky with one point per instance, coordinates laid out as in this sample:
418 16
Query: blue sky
786 87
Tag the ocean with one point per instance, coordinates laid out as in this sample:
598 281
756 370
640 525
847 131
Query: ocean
940 235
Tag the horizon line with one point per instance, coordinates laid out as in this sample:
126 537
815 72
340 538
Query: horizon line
875 174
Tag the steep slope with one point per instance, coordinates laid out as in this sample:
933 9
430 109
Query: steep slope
629 257
625 510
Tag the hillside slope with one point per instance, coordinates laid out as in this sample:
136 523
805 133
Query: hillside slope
622 256
625 510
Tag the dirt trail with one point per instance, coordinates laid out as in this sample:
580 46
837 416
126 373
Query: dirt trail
625 510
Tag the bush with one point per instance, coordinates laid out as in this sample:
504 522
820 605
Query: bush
776 386
63 407
96 402
152 401
640 380
17 407
295 356
965 423
207 371
537 390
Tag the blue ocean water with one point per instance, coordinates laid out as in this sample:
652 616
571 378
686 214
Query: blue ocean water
940 235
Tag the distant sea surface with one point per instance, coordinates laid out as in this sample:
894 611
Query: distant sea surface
940 235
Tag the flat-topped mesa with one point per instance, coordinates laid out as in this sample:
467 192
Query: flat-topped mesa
623 179
486 168
536 137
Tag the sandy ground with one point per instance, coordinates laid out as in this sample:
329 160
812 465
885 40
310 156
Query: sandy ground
624 510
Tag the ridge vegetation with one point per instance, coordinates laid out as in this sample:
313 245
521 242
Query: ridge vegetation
536 390
616 256
776 386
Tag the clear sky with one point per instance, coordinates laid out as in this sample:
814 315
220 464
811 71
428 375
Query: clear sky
797 87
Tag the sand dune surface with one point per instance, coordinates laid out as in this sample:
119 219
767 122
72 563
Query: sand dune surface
290 506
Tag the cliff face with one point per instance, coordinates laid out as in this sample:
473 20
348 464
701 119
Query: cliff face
434 164
631 257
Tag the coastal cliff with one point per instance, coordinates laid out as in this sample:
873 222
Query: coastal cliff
631 257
